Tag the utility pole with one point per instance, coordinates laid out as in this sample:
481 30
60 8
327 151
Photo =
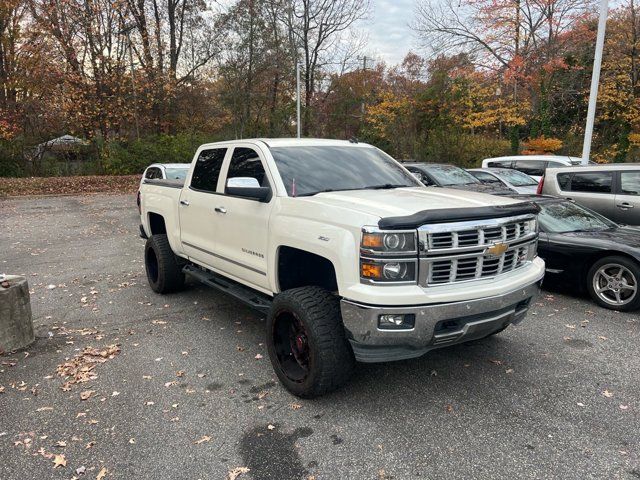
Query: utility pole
595 81
298 97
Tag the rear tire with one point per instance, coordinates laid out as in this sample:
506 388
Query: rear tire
163 270
306 342
612 282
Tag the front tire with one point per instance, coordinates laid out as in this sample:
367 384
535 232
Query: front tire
306 342
612 282
163 270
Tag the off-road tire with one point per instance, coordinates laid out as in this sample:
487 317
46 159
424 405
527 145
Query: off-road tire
164 271
631 265
331 359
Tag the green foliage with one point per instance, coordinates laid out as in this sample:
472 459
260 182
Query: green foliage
122 158
11 161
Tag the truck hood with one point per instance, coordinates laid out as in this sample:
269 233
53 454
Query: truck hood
405 201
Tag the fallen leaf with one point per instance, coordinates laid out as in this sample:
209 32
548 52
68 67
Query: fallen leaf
607 394
236 472
580 404
115 394
206 438
44 409
496 362
258 357
509 370
59 461
102 473
81 470
86 394
61 444
624 407
295 406
270 427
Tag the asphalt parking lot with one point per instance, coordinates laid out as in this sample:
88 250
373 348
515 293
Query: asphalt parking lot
189 391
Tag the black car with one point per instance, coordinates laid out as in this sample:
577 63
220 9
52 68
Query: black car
450 176
584 249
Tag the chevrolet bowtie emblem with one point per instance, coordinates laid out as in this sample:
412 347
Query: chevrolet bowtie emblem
496 249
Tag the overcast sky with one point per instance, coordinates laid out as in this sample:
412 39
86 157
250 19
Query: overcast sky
390 37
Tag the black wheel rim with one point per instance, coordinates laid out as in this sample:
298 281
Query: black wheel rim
152 265
291 344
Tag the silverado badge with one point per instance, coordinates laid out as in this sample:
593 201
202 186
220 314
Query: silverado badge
496 249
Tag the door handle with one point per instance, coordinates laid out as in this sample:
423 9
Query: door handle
220 210
624 205
568 198
184 202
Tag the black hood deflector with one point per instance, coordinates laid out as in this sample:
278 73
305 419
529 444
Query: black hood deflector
446 215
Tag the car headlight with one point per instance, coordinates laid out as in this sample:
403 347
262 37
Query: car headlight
376 241
388 257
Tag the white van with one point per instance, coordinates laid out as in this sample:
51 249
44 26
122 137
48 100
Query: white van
532 165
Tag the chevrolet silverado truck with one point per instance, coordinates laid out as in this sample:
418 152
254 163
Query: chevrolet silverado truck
347 254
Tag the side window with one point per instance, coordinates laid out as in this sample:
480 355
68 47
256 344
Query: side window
531 167
501 164
153 172
485 177
553 164
207 169
630 183
563 180
598 182
418 174
245 162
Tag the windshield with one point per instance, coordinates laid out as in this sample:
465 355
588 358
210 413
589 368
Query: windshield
315 169
517 179
450 175
564 217
177 173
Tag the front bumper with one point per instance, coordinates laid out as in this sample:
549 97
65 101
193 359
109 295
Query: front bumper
436 325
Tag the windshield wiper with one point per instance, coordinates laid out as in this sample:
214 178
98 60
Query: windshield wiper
310 194
385 186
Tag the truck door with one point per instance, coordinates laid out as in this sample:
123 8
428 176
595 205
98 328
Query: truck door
628 198
198 219
242 223
594 190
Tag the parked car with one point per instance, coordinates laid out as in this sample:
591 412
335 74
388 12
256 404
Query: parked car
450 176
345 252
513 179
613 190
162 171
583 249
532 165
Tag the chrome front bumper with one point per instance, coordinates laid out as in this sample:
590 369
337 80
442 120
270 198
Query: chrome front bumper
436 325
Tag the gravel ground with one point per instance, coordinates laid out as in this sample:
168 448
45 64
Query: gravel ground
191 393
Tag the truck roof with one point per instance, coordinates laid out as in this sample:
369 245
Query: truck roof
294 142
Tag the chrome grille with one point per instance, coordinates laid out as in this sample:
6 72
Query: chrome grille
457 252
475 267
478 236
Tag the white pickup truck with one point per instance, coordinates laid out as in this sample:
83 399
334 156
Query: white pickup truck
350 257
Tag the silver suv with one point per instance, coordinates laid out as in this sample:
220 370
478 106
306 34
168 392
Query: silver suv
611 190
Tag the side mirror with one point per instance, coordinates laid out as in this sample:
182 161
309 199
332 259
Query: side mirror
247 187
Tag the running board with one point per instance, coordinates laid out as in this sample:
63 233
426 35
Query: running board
255 300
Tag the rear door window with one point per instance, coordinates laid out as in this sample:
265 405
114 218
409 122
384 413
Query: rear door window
593 182
207 169
630 183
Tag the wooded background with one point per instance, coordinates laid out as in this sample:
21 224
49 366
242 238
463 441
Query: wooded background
148 80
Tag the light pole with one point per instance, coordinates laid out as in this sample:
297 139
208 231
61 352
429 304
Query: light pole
595 80
298 126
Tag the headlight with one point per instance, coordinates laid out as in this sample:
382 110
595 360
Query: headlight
388 257
375 241
388 271
531 225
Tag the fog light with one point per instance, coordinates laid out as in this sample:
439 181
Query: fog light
396 321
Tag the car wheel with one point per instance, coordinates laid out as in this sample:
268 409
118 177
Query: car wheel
163 270
306 342
613 283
